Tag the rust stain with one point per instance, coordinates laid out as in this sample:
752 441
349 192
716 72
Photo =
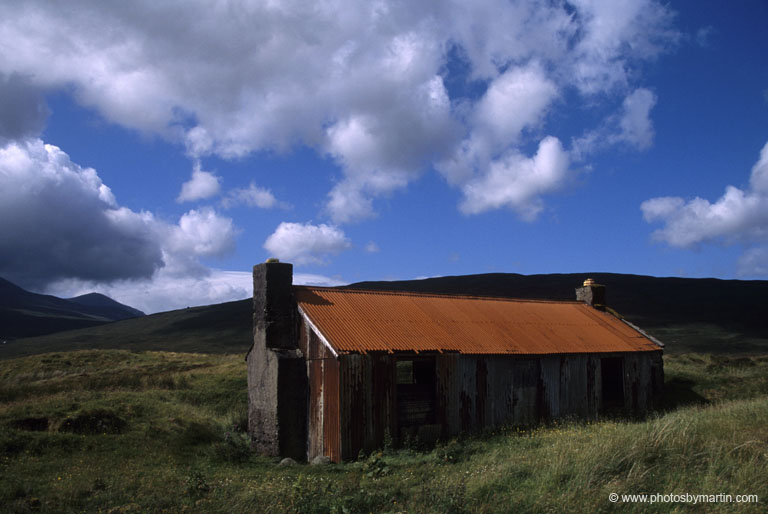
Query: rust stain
331 414
316 414
357 321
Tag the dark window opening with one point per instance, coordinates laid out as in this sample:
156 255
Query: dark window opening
404 372
415 392
612 374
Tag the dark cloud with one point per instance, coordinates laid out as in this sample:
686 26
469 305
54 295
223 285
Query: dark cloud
22 108
61 221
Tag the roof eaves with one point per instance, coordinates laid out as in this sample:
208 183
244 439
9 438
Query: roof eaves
644 333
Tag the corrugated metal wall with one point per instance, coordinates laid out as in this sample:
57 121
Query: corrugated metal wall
368 408
331 414
477 392
323 434
316 428
447 408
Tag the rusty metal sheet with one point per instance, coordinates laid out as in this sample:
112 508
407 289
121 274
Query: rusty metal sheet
331 410
353 371
316 414
358 321
368 402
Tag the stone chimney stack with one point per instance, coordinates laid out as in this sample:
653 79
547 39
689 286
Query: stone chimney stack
274 308
277 373
592 294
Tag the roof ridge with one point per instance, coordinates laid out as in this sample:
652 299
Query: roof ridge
420 294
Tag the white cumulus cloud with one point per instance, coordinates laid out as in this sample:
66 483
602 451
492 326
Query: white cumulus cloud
615 32
514 100
203 184
167 291
630 126
304 243
517 182
252 196
366 83
202 232
488 166
740 215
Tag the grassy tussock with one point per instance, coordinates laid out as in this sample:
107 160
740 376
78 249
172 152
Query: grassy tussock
723 448
172 440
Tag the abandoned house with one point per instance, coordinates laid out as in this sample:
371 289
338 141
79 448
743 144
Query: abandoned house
333 371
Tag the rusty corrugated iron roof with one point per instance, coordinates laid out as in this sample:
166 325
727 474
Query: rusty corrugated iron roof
358 321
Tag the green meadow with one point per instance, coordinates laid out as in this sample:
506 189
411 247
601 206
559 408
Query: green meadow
120 431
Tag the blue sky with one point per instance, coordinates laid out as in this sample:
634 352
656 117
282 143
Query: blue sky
155 152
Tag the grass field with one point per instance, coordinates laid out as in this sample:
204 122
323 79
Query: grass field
119 431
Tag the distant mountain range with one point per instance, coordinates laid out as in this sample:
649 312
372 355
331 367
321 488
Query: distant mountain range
26 314
688 315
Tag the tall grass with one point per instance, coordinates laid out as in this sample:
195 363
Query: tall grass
154 432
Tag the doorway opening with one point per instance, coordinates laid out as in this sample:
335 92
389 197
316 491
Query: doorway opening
416 388
612 374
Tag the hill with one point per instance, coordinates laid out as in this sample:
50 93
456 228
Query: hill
220 328
107 306
25 314
688 315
